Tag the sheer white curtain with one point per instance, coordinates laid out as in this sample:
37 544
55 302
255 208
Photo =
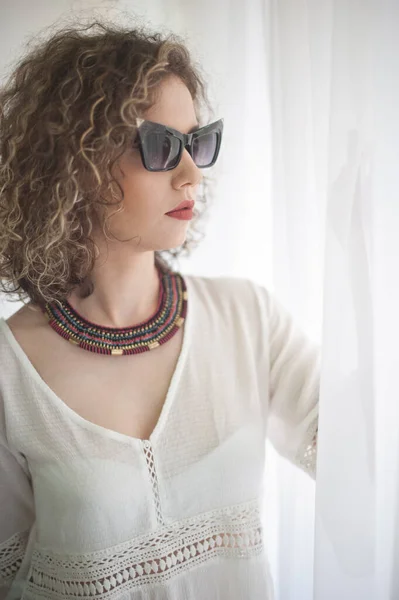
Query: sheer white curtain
335 90
305 203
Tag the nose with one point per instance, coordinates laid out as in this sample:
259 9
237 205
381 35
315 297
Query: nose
188 169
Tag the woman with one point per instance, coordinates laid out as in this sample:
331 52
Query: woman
131 458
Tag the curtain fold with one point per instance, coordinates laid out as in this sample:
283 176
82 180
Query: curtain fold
334 90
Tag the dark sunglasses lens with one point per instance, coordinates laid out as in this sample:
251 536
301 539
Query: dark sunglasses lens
204 148
161 150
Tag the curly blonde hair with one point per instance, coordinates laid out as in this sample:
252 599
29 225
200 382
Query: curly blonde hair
67 114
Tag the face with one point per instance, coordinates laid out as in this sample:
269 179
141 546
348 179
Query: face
148 196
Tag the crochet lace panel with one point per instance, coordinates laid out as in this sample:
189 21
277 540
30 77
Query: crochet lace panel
11 554
149 456
157 557
306 456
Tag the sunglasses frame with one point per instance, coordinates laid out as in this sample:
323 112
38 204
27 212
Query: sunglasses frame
186 140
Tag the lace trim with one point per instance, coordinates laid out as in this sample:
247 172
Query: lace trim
11 555
154 558
149 456
307 455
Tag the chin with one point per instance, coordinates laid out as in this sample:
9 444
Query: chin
169 242
173 245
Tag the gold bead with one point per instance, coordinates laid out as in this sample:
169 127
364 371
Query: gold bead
74 341
153 345
185 295
118 351
179 321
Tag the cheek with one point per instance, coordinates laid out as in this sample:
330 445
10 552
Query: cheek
144 191
144 195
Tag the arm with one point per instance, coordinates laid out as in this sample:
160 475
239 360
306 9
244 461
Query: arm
294 389
16 514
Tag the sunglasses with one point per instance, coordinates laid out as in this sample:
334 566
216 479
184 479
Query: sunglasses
161 147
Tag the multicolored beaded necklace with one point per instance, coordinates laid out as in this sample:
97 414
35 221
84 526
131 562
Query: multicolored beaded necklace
148 335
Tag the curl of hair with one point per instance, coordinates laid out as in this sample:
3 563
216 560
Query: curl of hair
67 114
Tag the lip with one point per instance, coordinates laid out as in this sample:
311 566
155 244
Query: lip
186 214
185 205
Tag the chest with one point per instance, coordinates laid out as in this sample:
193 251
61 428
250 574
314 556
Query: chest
207 453
122 393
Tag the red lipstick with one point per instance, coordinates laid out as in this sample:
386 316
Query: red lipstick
183 212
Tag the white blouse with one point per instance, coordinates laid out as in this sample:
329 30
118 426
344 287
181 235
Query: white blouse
89 512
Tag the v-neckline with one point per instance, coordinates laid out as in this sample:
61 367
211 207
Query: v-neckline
22 357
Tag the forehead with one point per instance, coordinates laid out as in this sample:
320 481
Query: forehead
174 106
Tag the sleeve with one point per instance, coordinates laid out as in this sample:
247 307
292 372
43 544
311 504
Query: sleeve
294 385
16 514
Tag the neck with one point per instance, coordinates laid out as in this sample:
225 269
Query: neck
126 288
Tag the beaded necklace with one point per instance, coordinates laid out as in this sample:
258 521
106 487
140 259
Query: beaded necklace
148 335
